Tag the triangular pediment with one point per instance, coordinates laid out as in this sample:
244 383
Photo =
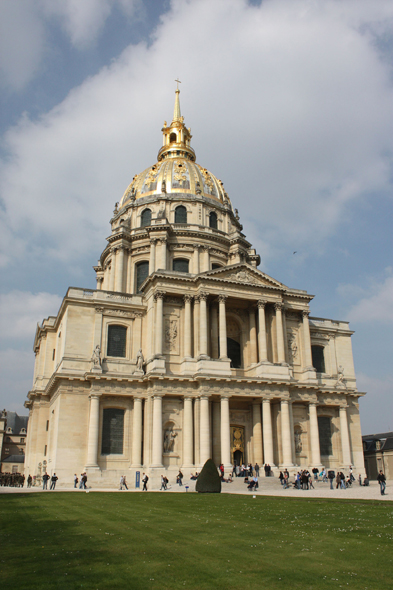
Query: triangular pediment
243 273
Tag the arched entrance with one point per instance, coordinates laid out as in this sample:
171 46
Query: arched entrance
237 445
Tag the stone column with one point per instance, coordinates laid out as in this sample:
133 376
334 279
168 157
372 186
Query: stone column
214 332
223 327
196 326
137 432
215 416
204 439
129 279
267 432
163 253
152 265
225 433
195 263
306 342
92 443
112 272
314 435
286 434
253 337
203 325
292 434
99 283
187 326
280 334
157 432
206 259
262 331
257 432
188 433
197 430
346 446
119 270
159 299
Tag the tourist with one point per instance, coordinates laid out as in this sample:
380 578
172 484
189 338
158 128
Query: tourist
29 481
121 482
310 483
331 477
315 472
75 480
366 482
179 478
163 484
360 479
45 479
53 481
281 478
342 481
382 481
323 475
84 480
145 479
81 482
297 482
256 469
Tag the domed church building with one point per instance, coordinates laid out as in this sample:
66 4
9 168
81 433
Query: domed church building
186 350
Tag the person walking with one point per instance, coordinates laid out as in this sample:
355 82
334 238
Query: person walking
331 476
145 479
382 481
53 480
75 480
121 482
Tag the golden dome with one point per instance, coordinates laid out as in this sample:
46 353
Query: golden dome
176 171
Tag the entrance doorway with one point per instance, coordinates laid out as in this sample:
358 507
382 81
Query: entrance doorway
237 445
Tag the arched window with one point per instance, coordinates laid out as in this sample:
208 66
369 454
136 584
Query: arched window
180 214
215 266
117 337
146 218
213 220
142 272
180 265
325 435
112 431
172 137
318 359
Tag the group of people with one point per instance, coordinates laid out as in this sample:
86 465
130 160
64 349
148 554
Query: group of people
46 478
13 480
82 482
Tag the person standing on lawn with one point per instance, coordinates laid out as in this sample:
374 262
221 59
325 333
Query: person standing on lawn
382 481
45 479
54 479
145 479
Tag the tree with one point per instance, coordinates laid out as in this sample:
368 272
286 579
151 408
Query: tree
208 480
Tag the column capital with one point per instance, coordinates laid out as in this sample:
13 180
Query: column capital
197 246
222 298
95 395
261 303
153 241
204 396
279 306
225 395
203 295
305 313
187 298
159 295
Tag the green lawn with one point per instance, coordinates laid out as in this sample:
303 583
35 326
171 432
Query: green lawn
205 541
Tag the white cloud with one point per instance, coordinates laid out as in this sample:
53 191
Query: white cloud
376 408
377 306
289 104
20 312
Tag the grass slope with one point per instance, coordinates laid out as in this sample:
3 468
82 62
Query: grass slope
203 541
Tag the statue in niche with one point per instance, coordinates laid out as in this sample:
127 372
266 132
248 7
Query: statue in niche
169 440
237 214
140 361
198 188
340 377
293 351
96 357
298 441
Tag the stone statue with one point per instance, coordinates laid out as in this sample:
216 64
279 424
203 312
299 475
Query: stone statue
340 376
96 356
298 442
140 361
198 188
237 214
4 413
169 440
163 186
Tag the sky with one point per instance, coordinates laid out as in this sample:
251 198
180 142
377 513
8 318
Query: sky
290 103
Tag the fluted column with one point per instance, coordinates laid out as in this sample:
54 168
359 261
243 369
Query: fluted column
262 331
99 283
225 433
119 270
157 431
188 433
204 438
187 326
112 272
203 324
223 327
267 432
286 434
280 334
197 429
159 299
214 332
137 432
253 337
257 432
306 341
314 435
195 263
94 421
152 265
345 443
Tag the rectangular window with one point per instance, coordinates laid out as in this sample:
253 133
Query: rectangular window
112 431
22 440
53 354
45 449
318 358
47 425
325 435
117 341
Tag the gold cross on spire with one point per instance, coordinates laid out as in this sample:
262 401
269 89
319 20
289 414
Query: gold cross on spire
178 82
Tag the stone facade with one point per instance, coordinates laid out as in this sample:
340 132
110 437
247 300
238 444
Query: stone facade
186 350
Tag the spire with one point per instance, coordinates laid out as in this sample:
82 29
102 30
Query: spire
176 111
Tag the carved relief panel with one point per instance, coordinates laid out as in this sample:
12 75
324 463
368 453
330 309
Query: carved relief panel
171 332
